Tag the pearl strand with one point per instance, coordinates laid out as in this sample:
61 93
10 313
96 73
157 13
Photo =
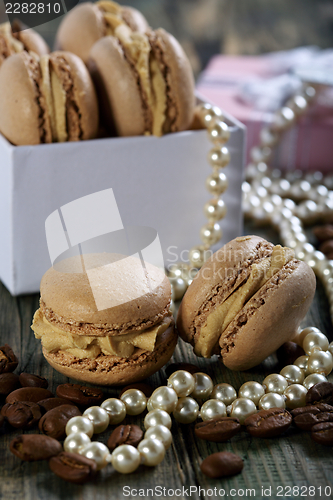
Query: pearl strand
182 396
181 274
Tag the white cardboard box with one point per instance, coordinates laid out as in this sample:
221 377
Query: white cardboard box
157 182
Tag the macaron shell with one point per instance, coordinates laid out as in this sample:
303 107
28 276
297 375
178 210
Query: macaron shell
19 118
80 29
180 79
217 278
34 42
84 93
112 370
270 318
70 299
134 19
116 82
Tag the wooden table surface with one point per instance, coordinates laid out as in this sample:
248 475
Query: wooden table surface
275 465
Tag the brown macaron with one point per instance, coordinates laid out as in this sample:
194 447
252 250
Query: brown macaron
51 99
17 38
124 343
245 302
88 22
145 82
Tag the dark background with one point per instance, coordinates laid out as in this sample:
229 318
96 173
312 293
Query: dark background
208 27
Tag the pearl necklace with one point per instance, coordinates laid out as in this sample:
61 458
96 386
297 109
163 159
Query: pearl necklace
180 397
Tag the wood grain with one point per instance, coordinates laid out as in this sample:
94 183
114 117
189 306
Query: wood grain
293 460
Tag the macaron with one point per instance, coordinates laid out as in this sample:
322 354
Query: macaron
145 82
17 39
109 325
47 99
88 22
245 302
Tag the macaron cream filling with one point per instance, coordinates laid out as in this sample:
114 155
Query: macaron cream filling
112 15
55 339
218 320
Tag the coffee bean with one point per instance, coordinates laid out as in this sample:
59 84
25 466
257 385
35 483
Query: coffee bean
73 467
326 247
32 447
268 423
320 407
32 394
2 420
308 420
288 353
125 434
30 380
8 360
218 429
323 433
188 367
80 395
22 414
323 233
141 386
53 423
320 393
8 383
50 403
222 464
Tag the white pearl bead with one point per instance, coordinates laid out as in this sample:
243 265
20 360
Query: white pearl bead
99 418
251 390
152 451
135 401
182 382
212 408
116 410
303 333
271 400
161 433
164 398
96 451
198 255
217 183
283 119
74 442
295 396
275 383
211 233
80 424
302 362
186 411
242 408
179 287
150 407
293 374
215 210
315 341
320 362
203 386
313 379
224 392
179 270
330 347
219 132
267 137
157 417
125 459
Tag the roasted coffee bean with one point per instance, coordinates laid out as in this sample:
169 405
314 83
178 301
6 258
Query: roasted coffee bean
222 464
326 247
188 367
9 382
32 447
22 414
50 403
8 360
73 467
2 420
218 429
80 395
268 423
125 434
320 393
307 420
30 380
53 423
32 394
288 353
141 386
320 407
323 233
323 433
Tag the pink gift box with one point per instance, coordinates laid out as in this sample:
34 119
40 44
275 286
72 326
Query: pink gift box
306 146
